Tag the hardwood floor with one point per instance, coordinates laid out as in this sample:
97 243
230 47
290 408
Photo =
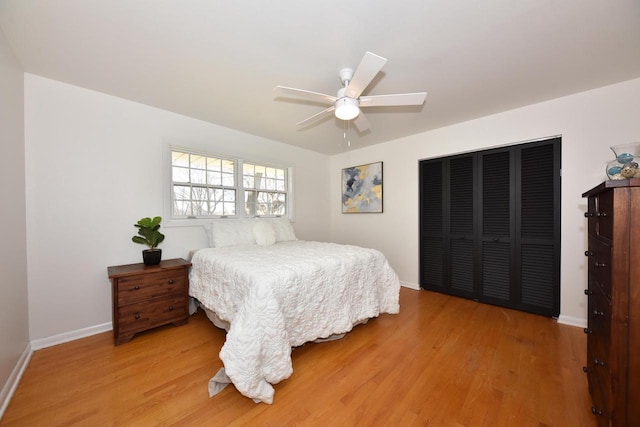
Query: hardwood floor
443 361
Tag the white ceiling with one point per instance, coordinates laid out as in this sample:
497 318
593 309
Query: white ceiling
220 60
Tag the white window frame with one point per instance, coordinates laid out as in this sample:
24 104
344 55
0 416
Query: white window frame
170 221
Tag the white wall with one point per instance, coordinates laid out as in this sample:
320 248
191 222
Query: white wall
589 124
14 332
94 166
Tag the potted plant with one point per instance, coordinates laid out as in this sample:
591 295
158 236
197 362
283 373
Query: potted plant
149 234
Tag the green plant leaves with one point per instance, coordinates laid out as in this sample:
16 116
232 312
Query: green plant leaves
148 233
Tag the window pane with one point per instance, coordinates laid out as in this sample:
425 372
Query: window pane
180 174
198 162
213 164
198 176
179 159
181 208
230 195
214 178
181 192
228 166
199 193
227 180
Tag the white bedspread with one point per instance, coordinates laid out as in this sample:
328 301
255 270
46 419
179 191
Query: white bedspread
281 296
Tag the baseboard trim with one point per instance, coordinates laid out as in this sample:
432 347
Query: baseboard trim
410 285
14 379
70 336
572 321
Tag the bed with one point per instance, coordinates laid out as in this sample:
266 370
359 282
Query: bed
273 292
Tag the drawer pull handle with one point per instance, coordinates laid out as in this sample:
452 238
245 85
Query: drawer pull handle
601 214
597 313
587 331
586 370
137 316
600 264
588 214
598 362
588 253
136 287
596 411
588 292
170 308
171 281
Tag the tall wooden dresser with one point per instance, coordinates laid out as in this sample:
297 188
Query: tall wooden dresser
613 332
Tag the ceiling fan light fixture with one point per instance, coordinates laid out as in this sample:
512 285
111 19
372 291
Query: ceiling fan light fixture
347 108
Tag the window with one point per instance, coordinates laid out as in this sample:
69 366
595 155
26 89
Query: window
205 186
264 190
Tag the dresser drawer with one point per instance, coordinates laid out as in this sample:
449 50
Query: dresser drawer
145 315
600 215
599 325
600 390
599 256
143 287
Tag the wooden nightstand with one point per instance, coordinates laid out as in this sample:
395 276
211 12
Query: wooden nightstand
145 297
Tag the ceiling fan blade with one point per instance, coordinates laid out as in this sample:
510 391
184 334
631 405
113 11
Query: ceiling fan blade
307 94
317 116
361 122
393 100
370 65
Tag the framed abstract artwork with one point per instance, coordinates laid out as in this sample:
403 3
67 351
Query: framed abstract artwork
362 189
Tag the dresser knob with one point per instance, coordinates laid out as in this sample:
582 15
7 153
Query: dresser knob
596 411
588 292
170 308
136 287
137 316
586 370
587 331
171 281
588 253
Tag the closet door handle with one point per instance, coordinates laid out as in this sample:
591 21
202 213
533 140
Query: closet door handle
588 253
600 264
588 292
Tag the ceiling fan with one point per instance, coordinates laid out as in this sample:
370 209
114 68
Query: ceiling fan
347 103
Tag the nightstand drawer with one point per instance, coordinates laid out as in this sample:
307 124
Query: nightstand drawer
146 315
142 287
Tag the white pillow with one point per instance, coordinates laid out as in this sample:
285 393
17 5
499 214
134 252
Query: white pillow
231 232
283 228
263 233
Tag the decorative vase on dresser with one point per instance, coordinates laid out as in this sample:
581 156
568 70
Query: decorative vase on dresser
148 296
613 332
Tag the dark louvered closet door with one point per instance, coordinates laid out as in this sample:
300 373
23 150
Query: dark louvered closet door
496 196
490 226
539 219
431 226
461 230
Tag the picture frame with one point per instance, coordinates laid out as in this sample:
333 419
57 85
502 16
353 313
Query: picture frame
362 189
